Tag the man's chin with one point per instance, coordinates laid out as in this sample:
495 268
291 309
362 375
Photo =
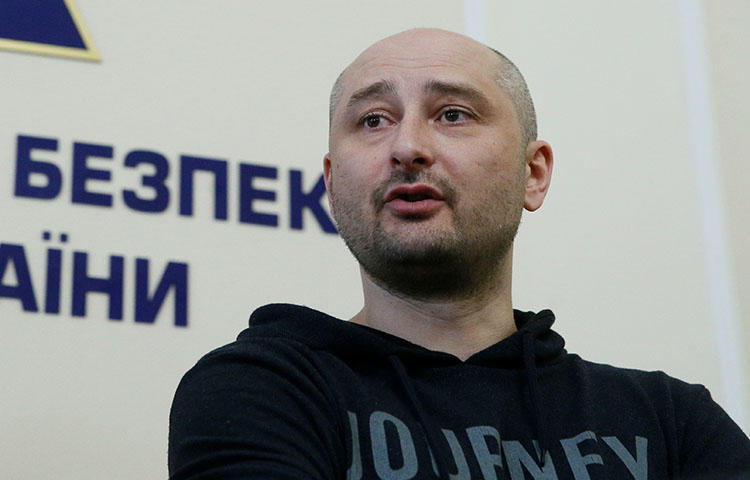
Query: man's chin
417 251
416 236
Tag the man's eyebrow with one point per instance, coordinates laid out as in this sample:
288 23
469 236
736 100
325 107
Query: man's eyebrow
378 88
460 90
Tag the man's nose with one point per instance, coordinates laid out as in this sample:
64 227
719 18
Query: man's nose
412 146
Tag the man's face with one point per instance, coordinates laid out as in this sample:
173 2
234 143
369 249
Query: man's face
425 170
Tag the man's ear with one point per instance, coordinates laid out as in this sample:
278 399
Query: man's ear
327 179
538 173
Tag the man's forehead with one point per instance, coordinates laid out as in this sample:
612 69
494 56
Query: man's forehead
423 52
392 67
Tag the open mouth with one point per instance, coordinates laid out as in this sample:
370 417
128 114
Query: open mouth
414 197
414 200
413 193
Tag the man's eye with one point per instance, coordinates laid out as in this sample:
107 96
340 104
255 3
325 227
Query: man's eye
453 116
372 121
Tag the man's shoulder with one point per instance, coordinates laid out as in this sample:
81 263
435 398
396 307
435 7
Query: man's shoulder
277 332
262 393
286 337
651 380
662 392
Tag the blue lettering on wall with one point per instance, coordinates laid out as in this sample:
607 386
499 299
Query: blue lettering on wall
54 276
16 283
15 256
299 200
173 279
155 182
83 172
28 168
249 194
188 166
110 285
39 176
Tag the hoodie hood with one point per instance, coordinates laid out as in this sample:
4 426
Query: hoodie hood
320 331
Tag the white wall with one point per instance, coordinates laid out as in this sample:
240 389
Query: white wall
617 251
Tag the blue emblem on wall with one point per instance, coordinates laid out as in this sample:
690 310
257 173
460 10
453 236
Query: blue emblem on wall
47 27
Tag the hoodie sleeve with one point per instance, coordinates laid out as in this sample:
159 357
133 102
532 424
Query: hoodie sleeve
713 447
255 410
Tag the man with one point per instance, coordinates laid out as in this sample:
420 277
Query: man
433 156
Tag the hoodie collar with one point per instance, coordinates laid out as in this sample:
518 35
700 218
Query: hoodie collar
321 331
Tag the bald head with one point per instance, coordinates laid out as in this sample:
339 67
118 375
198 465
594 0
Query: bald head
507 76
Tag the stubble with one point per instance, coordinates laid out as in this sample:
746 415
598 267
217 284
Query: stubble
438 262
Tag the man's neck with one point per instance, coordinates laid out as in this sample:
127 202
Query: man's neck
459 327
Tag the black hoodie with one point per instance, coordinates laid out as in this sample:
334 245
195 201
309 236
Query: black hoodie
303 395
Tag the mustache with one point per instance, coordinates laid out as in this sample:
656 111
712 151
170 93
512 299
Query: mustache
402 177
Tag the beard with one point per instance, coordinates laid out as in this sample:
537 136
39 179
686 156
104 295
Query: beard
437 262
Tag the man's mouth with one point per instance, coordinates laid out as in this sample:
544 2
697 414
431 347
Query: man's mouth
414 199
413 193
